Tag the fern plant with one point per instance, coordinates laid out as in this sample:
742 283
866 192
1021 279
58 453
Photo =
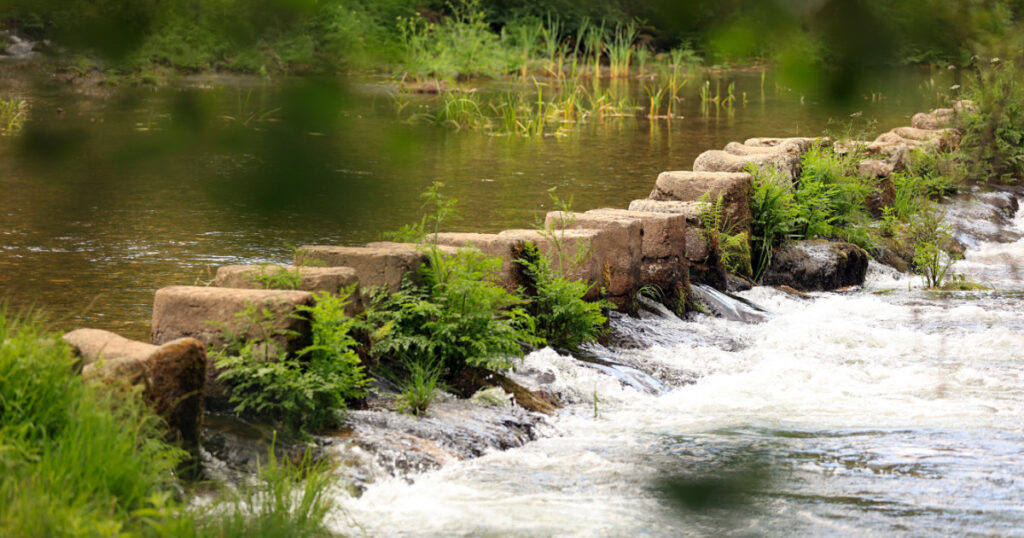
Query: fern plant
733 249
305 392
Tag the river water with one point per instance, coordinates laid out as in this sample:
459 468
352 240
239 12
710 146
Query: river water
890 411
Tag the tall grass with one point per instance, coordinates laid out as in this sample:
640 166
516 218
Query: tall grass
75 458
620 50
82 458
13 113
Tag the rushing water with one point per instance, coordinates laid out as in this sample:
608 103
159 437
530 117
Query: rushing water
887 411
113 193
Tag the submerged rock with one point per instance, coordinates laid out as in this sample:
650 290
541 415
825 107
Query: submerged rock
817 265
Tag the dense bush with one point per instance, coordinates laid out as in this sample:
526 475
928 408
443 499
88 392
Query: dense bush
562 318
993 132
458 317
307 391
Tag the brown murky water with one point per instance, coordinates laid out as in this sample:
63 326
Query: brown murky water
110 194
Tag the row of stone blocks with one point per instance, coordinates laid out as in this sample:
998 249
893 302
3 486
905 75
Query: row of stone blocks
654 242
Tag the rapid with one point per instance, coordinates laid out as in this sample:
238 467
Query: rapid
886 410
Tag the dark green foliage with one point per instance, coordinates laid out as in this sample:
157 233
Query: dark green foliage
306 392
830 196
562 318
773 215
458 317
993 134
941 172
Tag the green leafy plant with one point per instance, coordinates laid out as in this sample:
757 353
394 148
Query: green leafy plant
305 392
13 113
457 315
772 214
993 126
562 318
733 249
933 249
422 379
285 499
276 277
76 456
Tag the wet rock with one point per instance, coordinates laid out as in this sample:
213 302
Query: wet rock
472 380
721 161
380 443
735 283
790 291
817 265
734 188
172 376
729 306
377 264
208 314
980 217
312 279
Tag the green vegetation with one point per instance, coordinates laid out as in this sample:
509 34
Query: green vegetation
831 201
275 277
13 113
305 392
933 250
561 316
89 459
993 129
286 499
733 249
75 458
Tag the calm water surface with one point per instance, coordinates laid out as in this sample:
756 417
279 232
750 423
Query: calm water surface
113 193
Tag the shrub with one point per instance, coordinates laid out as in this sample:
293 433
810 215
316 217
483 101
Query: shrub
829 195
561 317
993 133
458 317
940 172
734 249
772 215
286 499
306 392
934 254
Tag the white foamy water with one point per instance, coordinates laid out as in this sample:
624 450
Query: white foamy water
899 412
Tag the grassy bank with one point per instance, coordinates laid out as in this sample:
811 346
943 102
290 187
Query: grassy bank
88 459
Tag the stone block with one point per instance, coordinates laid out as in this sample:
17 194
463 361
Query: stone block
172 376
721 161
207 313
696 247
734 188
508 248
377 264
802 143
311 279
621 245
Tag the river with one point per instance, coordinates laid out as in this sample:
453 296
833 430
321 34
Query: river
886 411
889 411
